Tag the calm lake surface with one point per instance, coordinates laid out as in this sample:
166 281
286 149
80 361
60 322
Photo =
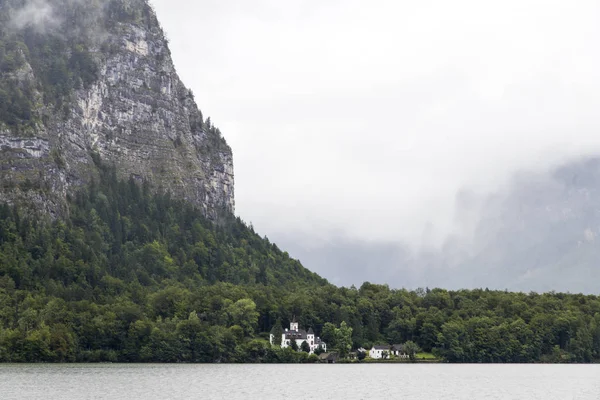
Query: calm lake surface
414 381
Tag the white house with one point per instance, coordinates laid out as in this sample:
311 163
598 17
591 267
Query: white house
299 336
376 352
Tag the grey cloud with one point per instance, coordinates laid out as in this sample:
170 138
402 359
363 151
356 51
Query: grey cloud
36 13
52 17
379 121
41 15
540 233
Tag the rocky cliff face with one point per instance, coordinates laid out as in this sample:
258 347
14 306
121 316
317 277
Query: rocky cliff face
88 78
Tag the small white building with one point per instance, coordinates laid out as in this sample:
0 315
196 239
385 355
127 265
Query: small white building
376 352
299 336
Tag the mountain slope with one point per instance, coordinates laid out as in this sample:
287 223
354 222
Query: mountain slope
540 232
128 264
543 233
135 267
78 77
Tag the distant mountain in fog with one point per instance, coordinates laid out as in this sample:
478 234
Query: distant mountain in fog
541 233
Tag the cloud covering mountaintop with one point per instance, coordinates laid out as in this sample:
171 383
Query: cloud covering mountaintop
390 125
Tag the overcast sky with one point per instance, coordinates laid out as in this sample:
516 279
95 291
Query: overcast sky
362 121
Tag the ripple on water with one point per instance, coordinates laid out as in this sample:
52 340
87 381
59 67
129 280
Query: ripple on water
365 381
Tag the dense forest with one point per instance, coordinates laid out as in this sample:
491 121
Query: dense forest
133 275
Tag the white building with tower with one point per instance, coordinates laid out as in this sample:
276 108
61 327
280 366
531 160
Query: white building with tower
299 336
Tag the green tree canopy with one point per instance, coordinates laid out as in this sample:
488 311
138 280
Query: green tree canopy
305 347
411 348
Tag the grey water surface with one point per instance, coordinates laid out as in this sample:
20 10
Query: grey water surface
364 381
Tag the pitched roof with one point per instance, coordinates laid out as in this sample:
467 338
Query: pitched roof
299 334
310 331
381 347
398 347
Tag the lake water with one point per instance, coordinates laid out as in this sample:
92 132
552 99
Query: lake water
365 381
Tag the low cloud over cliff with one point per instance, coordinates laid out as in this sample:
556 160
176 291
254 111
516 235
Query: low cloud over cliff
392 123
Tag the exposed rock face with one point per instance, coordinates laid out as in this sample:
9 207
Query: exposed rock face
135 114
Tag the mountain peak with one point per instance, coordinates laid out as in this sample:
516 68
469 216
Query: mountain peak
80 78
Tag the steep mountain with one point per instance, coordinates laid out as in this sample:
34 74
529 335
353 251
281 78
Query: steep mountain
542 233
116 199
134 265
84 77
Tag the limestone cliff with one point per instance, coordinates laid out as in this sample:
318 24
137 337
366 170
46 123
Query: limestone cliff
80 78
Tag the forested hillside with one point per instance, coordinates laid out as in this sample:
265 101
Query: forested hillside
72 289
136 276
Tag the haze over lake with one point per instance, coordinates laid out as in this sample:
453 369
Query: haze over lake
364 381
